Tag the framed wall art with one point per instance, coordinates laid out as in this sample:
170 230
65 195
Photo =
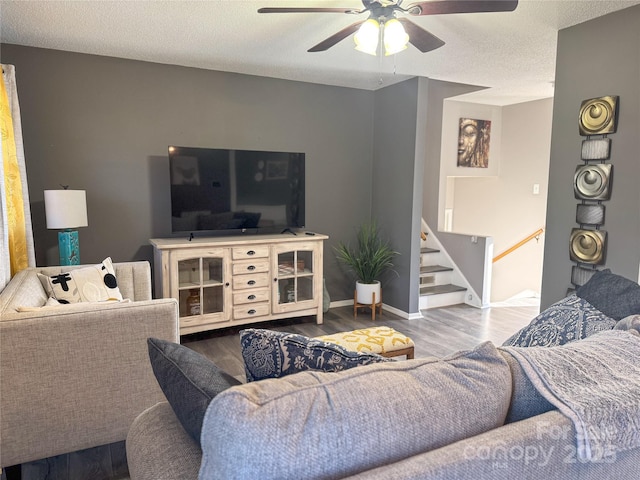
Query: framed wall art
474 137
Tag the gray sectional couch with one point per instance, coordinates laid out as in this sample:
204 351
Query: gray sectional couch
559 400
473 415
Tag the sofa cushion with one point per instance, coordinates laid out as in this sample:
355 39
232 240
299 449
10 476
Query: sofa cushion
95 283
189 381
270 354
614 295
329 425
158 448
572 318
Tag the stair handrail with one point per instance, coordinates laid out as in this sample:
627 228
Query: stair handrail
512 249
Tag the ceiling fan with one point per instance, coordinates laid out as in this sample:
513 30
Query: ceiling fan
384 12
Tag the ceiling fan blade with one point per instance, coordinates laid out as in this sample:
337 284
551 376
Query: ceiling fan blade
440 7
306 10
336 37
419 37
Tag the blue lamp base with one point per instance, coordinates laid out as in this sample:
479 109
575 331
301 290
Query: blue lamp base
69 247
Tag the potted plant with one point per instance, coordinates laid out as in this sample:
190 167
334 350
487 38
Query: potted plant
368 261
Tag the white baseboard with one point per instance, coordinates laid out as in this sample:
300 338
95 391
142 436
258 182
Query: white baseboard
388 308
341 303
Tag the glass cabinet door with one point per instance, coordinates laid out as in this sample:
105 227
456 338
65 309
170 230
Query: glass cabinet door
295 278
202 288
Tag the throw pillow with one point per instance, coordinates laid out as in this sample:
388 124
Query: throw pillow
189 381
614 295
334 425
96 283
572 318
270 354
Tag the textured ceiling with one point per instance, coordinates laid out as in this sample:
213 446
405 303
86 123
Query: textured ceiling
511 53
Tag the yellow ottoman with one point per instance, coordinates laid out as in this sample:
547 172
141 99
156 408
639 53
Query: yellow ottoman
384 341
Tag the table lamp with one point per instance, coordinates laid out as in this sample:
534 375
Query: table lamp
66 210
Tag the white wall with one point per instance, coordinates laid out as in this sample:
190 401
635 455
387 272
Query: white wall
452 112
499 201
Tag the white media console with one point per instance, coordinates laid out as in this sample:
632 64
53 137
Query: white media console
233 280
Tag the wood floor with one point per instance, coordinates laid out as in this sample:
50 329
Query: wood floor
440 332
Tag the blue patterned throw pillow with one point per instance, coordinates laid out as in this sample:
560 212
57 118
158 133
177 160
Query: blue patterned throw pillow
572 318
270 354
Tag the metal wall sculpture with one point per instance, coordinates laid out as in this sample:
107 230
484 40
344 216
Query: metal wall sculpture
592 184
599 116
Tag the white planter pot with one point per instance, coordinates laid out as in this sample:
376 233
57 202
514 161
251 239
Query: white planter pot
365 292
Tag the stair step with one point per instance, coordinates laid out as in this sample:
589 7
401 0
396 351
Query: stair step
439 289
429 250
428 269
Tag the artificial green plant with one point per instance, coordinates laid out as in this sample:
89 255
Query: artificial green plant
372 256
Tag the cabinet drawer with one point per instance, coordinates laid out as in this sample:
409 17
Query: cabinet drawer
257 280
197 323
242 253
260 265
251 296
247 311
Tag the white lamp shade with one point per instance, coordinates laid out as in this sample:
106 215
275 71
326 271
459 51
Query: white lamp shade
367 36
65 208
395 37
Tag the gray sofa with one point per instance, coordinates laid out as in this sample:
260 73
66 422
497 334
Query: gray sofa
76 376
473 415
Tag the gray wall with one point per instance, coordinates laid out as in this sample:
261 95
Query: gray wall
600 57
406 169
394 160
103 124
469 259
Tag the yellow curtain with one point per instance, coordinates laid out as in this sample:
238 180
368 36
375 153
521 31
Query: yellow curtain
18 253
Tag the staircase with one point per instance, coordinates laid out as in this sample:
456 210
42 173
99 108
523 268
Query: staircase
437 288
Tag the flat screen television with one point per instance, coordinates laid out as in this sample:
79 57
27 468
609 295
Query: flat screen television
219 191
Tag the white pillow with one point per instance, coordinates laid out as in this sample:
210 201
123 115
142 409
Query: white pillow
96 283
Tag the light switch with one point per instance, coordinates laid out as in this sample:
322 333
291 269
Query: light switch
536 189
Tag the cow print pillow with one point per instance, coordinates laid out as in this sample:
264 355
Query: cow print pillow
96 283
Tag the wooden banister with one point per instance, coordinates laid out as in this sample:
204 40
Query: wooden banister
535 235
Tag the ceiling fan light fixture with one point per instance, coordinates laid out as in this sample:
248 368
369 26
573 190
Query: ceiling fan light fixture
395 37
367 37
